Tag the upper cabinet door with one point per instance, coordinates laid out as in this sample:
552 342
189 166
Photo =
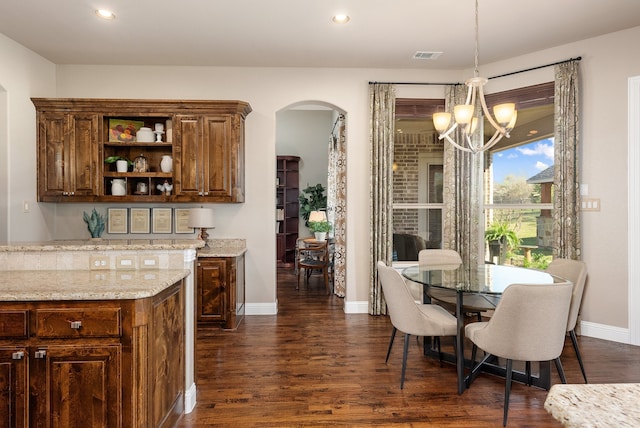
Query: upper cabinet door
188 162
68 161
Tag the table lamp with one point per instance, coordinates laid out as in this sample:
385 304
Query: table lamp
201 218
317 216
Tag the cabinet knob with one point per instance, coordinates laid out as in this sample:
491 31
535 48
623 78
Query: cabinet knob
41 353
17 355
76 325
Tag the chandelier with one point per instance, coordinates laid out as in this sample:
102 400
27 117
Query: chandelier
466 119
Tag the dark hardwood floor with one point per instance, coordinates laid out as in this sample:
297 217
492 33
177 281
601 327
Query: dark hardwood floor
314 365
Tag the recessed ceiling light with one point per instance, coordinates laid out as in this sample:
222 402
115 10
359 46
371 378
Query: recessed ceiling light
105 14
341 18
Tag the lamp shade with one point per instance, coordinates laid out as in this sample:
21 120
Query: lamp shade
201 217
317 216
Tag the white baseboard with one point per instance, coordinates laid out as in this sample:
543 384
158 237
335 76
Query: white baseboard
261 308
605 332
190 398
356 307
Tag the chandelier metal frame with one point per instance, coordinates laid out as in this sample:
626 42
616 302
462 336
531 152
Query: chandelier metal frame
464 114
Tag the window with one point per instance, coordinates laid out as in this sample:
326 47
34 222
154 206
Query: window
519 181
417 180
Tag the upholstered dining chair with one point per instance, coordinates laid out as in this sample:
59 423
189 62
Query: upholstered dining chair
529 324
472 303
576 272
312 256
409 317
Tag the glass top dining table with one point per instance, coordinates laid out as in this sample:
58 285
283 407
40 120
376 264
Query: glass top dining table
486 280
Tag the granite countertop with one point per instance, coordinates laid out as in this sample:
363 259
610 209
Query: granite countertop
223 248
595 405
103 245
46 285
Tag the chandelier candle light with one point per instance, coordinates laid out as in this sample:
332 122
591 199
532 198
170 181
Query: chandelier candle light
465 116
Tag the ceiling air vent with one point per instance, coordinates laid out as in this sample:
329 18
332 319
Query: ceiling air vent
426 55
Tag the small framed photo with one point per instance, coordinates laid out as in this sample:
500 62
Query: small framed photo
181 221
117 220
140 220
161 218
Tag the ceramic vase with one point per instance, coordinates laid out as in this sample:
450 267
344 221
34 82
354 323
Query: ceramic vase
166 165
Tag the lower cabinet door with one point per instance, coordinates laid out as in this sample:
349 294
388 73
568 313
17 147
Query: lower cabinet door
13 387
212 291
76 386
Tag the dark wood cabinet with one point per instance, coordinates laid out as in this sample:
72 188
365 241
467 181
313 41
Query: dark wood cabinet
93 363
14 386
68 156
220 291
210 158
205 141
287 209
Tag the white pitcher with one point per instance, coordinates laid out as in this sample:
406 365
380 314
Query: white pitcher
118 187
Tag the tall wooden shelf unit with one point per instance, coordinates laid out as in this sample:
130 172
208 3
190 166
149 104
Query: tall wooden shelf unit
287 209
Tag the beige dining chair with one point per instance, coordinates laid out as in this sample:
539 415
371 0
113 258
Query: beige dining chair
409 317
529 324
576 272
449 259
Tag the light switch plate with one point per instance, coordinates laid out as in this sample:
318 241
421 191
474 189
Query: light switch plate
148 262
125 262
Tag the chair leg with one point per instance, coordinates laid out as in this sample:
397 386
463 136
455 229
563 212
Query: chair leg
393 335
474 352
298 280
560 370
507 391
404 359
527 370
574 340
326 280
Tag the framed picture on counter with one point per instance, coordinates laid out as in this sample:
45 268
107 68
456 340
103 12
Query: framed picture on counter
181 221
117 220
161 218
140 220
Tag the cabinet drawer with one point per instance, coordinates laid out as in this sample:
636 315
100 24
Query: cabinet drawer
14 324
61 323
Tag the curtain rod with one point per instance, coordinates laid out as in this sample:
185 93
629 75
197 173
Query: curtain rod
494 77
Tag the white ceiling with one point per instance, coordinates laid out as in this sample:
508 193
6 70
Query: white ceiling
299 33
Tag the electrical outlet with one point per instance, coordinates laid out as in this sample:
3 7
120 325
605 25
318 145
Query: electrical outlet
98 262
125 262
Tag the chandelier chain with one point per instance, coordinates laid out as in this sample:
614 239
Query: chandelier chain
476 72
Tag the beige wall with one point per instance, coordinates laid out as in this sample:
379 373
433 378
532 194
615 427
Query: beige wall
606 66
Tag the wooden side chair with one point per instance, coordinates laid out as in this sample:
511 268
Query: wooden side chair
312 256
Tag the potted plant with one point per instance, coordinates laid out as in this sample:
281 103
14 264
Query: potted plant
122 163
501 237
316 200
320 229
95 223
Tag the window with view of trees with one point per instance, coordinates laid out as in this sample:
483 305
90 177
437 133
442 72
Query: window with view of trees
519 184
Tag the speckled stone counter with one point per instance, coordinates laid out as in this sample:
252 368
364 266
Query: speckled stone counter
48 285
223 248
595 405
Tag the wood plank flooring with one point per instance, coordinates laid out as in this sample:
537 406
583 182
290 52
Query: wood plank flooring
312 365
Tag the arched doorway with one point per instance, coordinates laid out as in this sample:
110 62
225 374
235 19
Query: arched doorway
316 132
